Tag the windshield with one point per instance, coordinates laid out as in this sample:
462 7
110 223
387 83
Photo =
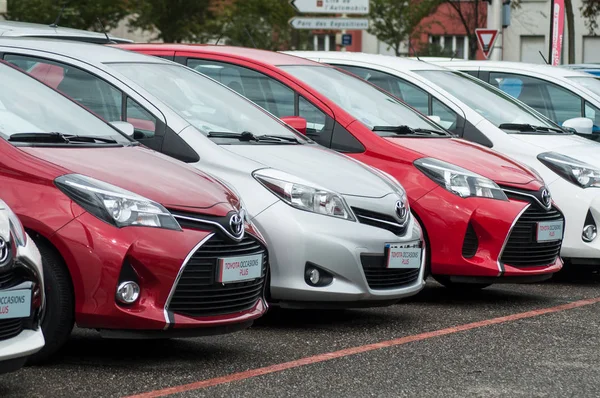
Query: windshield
591 83
28 106
216 111
364 102
494 105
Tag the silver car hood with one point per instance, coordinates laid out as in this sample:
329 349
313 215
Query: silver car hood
322 166
570 145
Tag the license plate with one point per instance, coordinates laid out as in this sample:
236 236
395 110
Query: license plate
549 230
403 255
15 304
242 268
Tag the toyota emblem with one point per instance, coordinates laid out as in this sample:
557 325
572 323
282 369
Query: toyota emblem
401 211
4 252
546 197
236 224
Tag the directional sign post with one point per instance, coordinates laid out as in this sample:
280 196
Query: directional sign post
329 23
331 6
486 39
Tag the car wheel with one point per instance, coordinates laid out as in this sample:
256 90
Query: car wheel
446 282
59 317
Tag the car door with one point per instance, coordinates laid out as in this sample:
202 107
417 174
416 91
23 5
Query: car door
278 98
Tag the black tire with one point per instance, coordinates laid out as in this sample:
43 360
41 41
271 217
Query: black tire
59 316
458 286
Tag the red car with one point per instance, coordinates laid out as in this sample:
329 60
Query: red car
481 211
134 243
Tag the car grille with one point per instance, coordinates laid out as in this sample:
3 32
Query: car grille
379 277
9 279
198 293
379 220
522 249
471 243
10 328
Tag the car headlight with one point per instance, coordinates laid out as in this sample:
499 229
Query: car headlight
459 181
301 195
115 205
572 170
16 228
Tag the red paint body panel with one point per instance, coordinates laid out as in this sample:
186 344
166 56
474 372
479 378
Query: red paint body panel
444 216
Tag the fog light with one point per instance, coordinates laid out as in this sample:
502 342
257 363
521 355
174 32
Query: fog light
314 275
589 233
128 292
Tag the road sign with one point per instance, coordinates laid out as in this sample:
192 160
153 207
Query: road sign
331 6
346 40
329 23
486 39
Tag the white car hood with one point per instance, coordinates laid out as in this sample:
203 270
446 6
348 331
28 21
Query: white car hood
319 165
570 145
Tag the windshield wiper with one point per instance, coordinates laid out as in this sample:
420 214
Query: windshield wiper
407 130
248 136
529 128
58 138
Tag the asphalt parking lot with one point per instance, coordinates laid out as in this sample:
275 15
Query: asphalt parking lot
507 340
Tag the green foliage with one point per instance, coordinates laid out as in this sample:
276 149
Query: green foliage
590 9
261 23
78 14
175 20
394 21
434 50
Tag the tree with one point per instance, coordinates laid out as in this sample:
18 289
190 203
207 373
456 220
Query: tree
395 21
262 24
471 15
590 9
175 20
78 14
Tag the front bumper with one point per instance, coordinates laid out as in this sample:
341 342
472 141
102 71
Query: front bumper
100 256
447 218
297 239
576 203
14 351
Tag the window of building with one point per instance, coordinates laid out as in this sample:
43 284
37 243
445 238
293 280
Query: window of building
451 46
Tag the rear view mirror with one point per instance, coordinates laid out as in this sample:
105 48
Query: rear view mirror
124 127
581 125
297 122
435 119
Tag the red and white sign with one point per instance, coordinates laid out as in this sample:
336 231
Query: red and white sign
403 256
486 39
550 230
558 26
242 268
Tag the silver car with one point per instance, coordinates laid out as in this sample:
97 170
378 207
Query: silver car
21 293
340 233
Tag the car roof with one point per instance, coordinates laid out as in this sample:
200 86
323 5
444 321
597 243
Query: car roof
250 54
87 52
548 70
26 29
389 61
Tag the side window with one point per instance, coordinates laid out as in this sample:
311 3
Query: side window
88 90
414 96
449 118
315 119
549 99
257 87
591 112
143 122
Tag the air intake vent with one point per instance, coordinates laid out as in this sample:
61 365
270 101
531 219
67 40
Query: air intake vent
471 243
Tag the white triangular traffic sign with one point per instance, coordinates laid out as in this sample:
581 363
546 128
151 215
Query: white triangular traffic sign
486 39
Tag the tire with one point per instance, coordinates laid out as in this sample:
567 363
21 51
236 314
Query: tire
59 316
458 286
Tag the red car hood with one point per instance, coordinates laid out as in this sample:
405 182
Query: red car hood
145 172
473 157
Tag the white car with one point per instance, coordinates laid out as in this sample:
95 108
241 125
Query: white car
558 93
21 293
481 113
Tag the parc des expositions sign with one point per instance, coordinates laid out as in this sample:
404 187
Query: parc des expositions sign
355 7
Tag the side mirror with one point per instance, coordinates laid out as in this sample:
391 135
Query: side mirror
297 122
581 125
435 119
124 127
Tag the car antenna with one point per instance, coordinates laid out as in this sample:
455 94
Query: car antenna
454 54
250 36
108 40
544 58
59 16
411 48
